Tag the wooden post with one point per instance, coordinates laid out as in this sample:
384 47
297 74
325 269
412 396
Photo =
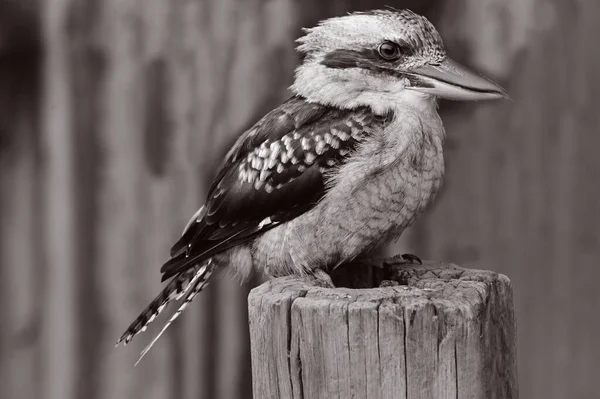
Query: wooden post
437 331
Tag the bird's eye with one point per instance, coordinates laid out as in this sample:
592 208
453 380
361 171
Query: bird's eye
389 51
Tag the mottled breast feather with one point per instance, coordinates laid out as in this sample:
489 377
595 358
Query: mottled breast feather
274 172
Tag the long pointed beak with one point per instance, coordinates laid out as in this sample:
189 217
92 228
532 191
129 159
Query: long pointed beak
453 81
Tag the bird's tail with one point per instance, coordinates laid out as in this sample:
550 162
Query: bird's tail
185 285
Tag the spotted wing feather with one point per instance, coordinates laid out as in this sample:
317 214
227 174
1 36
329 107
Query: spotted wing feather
275 171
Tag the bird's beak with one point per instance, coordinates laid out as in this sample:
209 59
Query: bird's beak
453 81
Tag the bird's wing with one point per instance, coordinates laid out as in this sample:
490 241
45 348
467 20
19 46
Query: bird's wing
274 172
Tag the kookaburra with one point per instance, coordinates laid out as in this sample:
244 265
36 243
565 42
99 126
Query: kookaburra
342 167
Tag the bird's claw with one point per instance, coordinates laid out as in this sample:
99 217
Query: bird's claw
398 260
403 259
323 279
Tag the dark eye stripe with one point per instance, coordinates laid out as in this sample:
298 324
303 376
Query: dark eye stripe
366 58
341 59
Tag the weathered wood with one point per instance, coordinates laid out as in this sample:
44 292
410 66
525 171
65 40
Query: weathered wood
448 332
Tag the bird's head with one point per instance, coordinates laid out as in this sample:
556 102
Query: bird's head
380 58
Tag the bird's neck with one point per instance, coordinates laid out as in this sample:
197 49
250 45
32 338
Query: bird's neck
352 88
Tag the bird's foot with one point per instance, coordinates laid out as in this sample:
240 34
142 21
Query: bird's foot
323 279
403 259
370 271
389 274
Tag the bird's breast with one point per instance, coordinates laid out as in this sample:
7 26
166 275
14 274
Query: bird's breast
373 197
407 179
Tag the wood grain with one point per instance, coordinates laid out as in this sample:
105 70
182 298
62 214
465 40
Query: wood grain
448 333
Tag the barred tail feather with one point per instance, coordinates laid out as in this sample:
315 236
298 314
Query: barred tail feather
200 281
175 289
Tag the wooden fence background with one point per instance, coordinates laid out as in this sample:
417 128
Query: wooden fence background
114 113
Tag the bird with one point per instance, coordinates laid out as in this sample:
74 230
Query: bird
339 169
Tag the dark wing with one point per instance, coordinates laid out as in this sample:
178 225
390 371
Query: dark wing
273 173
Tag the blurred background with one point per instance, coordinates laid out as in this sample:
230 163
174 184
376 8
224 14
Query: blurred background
114 114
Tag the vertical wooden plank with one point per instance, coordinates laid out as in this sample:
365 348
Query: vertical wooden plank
20 267
583 236
365 357
129 234
158 115
58 306
391 336
88 66
186 70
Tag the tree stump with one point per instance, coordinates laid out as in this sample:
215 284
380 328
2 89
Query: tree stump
431 331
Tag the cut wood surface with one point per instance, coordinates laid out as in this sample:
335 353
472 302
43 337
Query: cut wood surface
448 332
